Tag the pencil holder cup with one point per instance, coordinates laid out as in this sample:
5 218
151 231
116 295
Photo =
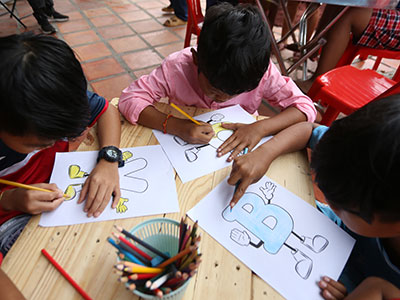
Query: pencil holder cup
163 234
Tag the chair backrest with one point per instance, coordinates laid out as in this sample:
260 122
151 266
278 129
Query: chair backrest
195 17
352 51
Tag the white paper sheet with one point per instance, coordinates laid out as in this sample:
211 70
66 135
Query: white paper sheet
147 186
194 160
297 244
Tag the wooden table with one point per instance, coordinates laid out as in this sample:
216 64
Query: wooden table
86 255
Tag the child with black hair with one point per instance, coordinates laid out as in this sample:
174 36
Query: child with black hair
230 66
44 104
356 163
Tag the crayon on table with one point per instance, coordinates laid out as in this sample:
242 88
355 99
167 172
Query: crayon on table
66 275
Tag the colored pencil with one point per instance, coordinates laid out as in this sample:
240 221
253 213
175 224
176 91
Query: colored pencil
144 270
66 275
123 251
26 186
142 276
185 114
174 258
125 241
139 241
133 252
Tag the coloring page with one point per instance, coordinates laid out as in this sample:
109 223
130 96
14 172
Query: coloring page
280 237
195 160
146 181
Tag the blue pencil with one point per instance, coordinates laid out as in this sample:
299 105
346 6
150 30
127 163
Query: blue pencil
126 253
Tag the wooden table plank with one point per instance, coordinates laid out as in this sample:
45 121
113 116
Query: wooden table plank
84 253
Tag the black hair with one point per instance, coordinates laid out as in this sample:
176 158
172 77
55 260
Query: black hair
234 48
357 161
42 88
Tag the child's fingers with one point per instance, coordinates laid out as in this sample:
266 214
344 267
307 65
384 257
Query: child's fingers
332 290
116 196
241 189
101 194
227 146
236 152
84 191
335 284
232 126
49 205
103 204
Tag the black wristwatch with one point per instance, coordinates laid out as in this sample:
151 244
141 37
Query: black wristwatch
111 154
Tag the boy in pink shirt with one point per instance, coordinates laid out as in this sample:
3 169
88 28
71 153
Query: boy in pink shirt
230 66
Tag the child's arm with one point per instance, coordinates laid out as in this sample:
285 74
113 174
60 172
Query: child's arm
184 128
251 167
372 288
8 289
103 181
283 93
249 135
31 201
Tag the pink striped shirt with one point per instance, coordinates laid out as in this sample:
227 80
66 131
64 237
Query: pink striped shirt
177 79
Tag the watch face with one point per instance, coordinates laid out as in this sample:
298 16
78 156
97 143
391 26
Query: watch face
112 153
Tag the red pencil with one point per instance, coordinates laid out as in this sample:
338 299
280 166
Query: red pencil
128 243
66 275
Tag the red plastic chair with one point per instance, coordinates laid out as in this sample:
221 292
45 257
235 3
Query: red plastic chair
195 19
352 51
346 89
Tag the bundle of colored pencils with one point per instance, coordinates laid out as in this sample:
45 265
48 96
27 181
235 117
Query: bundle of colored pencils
157 274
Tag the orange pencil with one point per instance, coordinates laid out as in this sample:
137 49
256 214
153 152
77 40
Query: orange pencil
28 187
185 114
178 256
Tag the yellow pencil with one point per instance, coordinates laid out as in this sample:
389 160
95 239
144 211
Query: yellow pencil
185 114
144 270
26 186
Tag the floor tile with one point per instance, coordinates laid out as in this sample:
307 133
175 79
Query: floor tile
95 12
168 49
160 37
74 15
157 12
72 26
115 31
101 68
92 51
134 16
181 31
116 2
112 87
85 5
82 37
142 59
150 4
121 8
127 44
146 26
105 20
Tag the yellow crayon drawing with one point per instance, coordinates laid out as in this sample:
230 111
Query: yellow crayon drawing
139 185
121 207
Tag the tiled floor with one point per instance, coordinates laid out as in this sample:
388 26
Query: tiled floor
117 41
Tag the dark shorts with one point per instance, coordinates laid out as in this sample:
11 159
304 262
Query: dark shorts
383 30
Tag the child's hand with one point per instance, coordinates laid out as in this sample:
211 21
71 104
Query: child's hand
248 168
102 183
31 201
374 288
196 134
244 135
331 289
